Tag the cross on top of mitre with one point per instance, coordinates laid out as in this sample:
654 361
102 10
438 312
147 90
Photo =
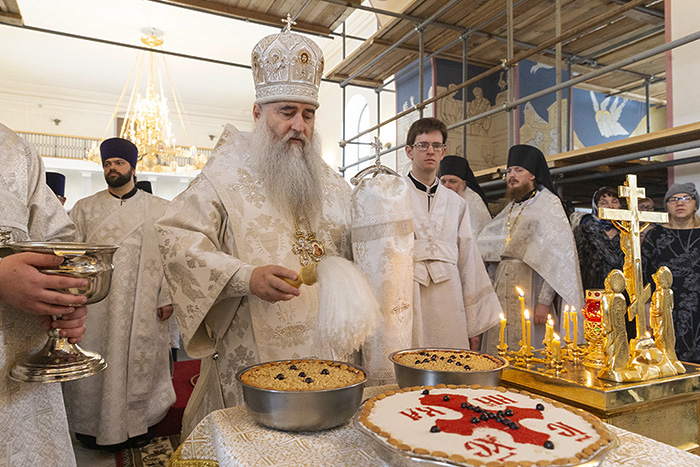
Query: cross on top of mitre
288 23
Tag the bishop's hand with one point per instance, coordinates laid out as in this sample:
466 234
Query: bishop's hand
266 282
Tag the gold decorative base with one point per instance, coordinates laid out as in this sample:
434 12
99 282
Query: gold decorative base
58 361
666 409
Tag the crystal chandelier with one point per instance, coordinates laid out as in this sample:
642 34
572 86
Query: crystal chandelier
146 123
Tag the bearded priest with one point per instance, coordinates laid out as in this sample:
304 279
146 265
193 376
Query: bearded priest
530 245
264 205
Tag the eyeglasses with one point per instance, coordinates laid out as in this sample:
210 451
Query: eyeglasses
676 199
422 147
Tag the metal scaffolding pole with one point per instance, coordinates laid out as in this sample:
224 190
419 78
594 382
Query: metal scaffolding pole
421 71
510 71
465 76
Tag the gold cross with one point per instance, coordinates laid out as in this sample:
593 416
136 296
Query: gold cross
627 220
289 22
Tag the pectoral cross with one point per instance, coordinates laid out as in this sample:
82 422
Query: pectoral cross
627 220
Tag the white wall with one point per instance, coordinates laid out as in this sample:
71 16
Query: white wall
683 91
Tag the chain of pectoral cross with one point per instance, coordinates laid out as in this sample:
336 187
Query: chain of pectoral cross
628 221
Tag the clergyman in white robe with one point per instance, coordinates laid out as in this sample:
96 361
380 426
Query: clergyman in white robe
32 415
453 297
212 237
540 258
135 391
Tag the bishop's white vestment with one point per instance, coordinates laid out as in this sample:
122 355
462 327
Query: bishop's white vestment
212 237
540 258
453 298
32 415
135 391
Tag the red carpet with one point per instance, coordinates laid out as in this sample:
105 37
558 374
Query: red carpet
182 375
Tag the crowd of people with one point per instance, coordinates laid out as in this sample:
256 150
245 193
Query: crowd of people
222 254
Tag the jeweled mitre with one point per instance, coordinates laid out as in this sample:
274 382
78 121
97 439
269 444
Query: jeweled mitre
287 67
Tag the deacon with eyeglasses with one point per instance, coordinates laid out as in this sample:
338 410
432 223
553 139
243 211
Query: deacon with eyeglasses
453 299
676 245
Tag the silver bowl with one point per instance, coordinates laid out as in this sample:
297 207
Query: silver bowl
90 261
408 376
59 360
302 410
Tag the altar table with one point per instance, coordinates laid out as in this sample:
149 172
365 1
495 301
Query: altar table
230 438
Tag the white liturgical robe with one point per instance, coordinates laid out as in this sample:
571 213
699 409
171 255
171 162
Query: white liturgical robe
135 391
212 237
479 214
540 258
453 297
32 415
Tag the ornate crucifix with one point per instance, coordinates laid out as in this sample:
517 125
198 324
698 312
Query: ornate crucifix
627 220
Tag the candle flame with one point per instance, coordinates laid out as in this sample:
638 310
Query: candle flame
566 308
549 317
527 314
503 318
556 337
520 291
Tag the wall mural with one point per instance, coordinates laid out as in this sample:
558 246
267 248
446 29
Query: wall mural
596 118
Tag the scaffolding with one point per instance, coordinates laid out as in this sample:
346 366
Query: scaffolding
551 46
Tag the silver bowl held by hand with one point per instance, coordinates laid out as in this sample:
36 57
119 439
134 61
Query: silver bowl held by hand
59 360
90 261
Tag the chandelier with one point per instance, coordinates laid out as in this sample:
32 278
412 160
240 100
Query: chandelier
146 122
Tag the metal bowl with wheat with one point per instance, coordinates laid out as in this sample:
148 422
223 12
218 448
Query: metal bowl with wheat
303 410
419 373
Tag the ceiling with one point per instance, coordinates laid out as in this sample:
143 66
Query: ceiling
610 37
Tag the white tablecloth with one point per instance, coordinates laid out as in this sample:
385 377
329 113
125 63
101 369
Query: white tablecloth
231 438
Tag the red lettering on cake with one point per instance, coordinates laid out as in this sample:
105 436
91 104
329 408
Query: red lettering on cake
412 414
463 425
570 432
428 411
494 399
489 446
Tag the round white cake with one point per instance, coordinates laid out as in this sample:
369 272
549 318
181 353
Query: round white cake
484 426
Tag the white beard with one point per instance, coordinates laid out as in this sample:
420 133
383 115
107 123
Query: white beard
291 174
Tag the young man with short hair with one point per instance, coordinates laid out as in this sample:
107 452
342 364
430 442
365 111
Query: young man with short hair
453 299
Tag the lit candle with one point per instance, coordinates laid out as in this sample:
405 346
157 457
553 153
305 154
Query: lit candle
522 311
566 322
574 318
503 328
548 332
556 343
527 321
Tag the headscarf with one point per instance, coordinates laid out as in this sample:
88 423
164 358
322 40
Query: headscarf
604 223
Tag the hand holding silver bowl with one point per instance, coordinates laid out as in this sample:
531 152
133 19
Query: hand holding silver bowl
59 360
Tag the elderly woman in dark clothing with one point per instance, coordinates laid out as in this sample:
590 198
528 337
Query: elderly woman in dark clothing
598 241
676 245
